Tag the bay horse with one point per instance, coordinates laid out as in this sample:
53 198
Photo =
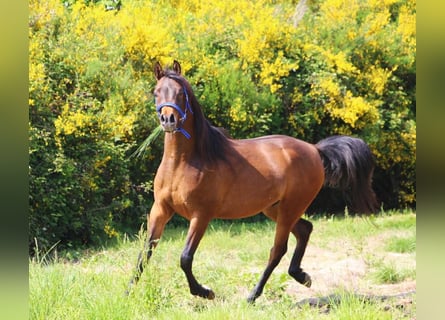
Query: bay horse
204 175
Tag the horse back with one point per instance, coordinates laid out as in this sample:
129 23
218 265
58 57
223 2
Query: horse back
283 159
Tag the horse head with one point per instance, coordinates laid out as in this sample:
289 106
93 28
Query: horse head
171 99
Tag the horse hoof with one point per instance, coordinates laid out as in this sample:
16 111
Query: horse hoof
307 282
303 278
210 294
251 299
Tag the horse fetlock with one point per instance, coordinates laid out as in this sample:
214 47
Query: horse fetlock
254 294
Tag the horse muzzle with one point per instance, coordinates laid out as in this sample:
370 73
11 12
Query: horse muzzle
168 122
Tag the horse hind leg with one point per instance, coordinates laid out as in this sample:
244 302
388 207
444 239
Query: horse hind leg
276 253
302 231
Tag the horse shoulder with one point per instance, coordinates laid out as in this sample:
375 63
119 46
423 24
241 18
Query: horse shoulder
180 187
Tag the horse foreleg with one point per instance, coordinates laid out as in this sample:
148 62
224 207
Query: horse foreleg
276 253
196 231
143 258
302 231
157 221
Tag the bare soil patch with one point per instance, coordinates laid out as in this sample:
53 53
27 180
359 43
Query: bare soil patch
348 269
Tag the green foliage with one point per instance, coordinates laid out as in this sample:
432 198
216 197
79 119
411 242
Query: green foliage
257 67
234 102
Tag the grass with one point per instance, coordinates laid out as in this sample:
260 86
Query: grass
402 244
230 260
389 273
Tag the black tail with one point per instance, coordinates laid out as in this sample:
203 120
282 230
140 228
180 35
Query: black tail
349 165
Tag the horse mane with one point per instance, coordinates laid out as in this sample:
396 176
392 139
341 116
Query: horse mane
211 143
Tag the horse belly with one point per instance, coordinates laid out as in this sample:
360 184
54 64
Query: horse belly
244 209
249 196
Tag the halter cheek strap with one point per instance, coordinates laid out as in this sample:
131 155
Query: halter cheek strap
182 113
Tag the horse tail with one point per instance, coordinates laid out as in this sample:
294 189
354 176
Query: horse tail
349 166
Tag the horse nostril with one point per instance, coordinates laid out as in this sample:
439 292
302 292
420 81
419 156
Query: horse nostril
172 118
162 118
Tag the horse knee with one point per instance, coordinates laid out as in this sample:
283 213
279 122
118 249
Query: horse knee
282 250
186 261
276 253
278 250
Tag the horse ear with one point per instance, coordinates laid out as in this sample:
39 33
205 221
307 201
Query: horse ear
159 73
176 67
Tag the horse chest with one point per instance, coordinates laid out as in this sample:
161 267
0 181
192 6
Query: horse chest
180 189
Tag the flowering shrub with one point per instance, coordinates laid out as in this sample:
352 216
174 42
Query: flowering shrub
357 77
257 67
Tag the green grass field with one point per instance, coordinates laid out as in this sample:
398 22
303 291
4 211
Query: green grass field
349 258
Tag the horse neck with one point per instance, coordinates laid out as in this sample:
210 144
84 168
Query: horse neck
177 147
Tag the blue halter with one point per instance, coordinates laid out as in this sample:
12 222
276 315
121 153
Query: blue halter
178 108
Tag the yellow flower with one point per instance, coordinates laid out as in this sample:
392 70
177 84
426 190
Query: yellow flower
329 87
378 78
350 109
407 25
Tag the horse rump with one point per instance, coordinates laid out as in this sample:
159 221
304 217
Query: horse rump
349 166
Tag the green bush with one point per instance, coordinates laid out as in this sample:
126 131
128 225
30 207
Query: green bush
257 67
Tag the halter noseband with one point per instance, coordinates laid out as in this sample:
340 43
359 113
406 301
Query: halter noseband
178 108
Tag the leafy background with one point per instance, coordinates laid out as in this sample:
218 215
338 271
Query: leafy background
308 69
